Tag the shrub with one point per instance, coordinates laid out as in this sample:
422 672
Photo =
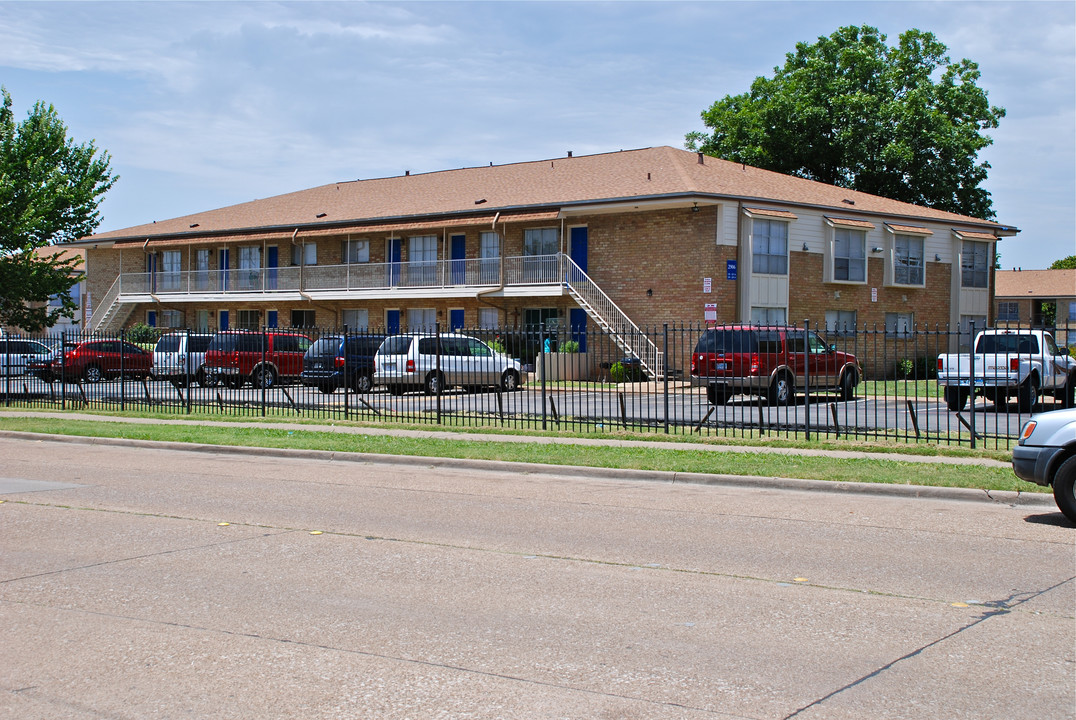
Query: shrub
140 333
569 346
620 372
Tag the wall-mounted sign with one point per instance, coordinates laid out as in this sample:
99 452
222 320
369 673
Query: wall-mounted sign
730 269
710 312
874 294
707 285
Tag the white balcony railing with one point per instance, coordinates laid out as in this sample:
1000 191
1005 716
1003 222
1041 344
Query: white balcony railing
473 272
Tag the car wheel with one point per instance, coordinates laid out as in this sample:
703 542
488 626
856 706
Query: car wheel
209 379
92 374
1065 488
327 389
1027 394
956 398
435 382
263 378
363 384
782 390
848 386
717 396
510 381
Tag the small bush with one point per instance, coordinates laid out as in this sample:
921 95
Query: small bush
620 372
141 333
569 346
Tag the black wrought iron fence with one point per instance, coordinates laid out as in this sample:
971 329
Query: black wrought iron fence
865 383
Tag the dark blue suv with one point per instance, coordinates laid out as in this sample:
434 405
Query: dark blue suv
327 366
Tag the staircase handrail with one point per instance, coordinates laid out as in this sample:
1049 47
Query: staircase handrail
105 306
620 325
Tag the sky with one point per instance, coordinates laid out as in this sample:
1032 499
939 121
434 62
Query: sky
208 104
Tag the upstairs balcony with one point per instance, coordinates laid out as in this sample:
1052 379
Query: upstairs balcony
533 275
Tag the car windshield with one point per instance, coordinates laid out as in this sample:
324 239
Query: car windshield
324 346
167 344
396 345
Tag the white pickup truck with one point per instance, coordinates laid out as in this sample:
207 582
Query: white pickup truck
1024 363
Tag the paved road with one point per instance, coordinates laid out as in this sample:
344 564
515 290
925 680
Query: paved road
466 593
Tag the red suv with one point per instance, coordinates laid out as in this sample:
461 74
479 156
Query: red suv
770 362
235 356
94 361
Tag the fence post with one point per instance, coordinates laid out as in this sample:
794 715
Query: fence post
123 378
971 378
665 372
806 379
347 373
542 354
440 376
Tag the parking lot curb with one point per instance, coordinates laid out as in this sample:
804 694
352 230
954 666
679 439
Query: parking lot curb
1010 498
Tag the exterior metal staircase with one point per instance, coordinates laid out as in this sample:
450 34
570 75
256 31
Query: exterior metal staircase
111 313
612 320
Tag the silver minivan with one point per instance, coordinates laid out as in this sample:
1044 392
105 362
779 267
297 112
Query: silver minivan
410 362
180 356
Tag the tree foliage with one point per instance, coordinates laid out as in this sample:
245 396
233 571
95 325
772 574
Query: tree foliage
903 122
1067 263
50 189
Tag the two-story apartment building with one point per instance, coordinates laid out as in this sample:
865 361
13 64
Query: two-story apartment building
613 241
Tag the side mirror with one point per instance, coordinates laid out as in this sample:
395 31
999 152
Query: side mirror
832 348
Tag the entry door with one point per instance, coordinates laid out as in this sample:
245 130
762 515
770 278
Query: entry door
455 319
395 254
577 239
271 317
223 324
392 322
577 325
458 257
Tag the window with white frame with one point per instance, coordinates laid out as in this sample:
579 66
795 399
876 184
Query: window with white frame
250 263
841 321
247 319
356 251
170 319
769 247
304 254
171 268
489 318
899 324
849 255
768 316
422 259
974 264
421 319
540 241
489 252
304 318
1008 311
356 320
201 319
1072 311
908 260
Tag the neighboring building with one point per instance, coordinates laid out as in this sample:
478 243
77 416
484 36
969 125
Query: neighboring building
1041 298
78 291
641 237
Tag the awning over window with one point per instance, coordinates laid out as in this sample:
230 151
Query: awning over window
848 222
908 229
767 212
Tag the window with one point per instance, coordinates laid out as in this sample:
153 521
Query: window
247 319
250 260
356 320
768 316
171 319
304 318
356 251
974 268
489 318
1072 311
849 255
201 318
540 248
422 259
908 260
305 254
1008 311
170 271
421 319
769 247
533 318
201 270
899 324
490 254
841 321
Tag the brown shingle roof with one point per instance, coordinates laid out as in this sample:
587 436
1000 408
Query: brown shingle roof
1035 283
661 172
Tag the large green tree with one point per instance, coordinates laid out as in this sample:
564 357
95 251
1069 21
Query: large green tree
904 122
1066 263
50 189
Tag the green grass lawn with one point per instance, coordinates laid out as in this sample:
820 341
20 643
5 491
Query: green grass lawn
669 457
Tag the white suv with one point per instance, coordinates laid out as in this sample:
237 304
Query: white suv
1046 456
410 362
180 356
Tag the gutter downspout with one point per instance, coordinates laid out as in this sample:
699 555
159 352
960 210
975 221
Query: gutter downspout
740 291
302 262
